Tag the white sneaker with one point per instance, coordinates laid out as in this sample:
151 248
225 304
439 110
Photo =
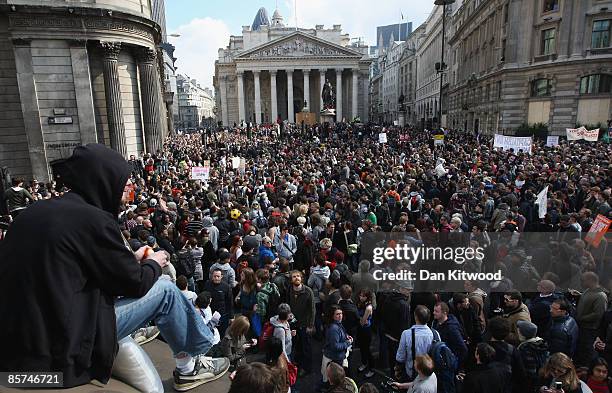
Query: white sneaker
206 369
145 335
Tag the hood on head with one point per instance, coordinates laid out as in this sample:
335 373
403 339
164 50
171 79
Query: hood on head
208 222
96 173
364 266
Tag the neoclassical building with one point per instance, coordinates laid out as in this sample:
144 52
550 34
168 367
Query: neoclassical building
271 71
520 62
73 73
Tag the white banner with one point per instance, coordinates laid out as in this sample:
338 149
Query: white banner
552 140
542 201
513 142
200 173
382 137
576 134
235 162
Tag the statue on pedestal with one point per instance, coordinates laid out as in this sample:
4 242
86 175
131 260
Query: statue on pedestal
328 96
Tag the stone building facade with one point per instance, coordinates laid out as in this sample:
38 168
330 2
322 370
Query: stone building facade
195 103
518 62
269 72
75 73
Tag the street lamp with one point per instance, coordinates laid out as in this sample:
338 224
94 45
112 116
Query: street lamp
443 3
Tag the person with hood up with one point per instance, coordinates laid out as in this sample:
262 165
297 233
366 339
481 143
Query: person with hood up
70 320
450 331
282 330
533 351
213 231
363 279
229 275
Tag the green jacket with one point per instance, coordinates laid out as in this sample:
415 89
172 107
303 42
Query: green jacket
591 308
262 298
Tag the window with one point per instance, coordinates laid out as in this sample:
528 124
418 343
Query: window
551 5
601 34
548 42
541 87
595 84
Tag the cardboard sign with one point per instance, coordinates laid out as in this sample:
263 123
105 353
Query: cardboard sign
438 140
598 230
382 137
199 173
576 134
513 142
552 140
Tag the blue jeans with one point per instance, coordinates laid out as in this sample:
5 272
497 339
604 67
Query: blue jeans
180 324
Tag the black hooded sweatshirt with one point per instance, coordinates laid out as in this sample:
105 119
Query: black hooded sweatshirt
62 263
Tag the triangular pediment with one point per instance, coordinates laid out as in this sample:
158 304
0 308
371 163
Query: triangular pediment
298 44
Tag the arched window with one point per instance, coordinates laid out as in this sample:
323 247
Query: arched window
541 87
595 84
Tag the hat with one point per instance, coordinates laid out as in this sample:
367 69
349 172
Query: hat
527 329
151 241
325 244
266 239
153 202
301 220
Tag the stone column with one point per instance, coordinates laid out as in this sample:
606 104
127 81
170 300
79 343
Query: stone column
257 97
355 94
273 96
223 93
149 96
321 83
241 114
79 60
307 89
112 91
290 112
338 95
366 98
30 111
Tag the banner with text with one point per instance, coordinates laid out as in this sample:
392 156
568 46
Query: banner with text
576 134
513 142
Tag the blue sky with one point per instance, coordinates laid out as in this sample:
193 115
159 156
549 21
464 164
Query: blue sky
205 25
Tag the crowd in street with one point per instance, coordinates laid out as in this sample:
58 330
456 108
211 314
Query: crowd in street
268 250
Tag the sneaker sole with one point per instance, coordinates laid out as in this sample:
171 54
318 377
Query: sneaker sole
148 339
183 387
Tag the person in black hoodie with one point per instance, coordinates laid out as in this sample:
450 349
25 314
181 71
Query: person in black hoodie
59 291
506 356
486 377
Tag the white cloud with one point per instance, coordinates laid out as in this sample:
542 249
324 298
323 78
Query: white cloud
197 48
358 18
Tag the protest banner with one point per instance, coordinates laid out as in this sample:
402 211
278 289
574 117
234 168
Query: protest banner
438 140
552 140
199 173
235 162
598 230
382 137
576 134
513 142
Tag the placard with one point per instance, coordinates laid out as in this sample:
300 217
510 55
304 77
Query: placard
576 134
552 140
382 137
199 173
598 230
513 142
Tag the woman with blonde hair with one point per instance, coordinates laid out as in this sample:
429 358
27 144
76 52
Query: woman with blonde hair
234 344
559 373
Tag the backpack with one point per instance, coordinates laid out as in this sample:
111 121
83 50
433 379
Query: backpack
185 264
266 333
415 204
534 354
445 362
345 273
273 302
261 221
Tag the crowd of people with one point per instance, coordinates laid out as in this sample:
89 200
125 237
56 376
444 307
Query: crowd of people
268 250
